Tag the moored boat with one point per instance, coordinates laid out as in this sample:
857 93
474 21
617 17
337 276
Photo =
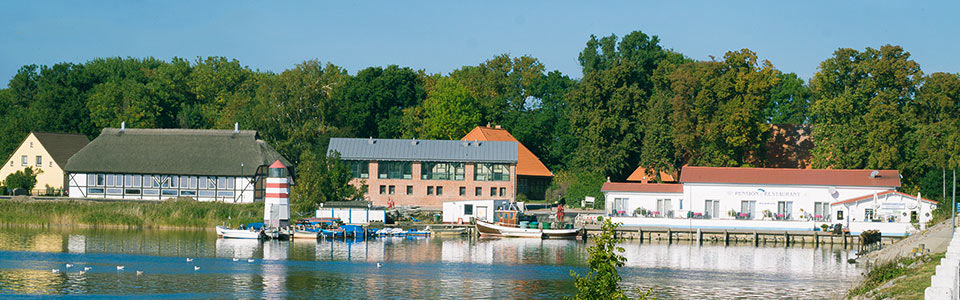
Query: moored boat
508 226
226 232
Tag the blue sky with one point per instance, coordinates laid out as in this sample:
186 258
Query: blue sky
440 36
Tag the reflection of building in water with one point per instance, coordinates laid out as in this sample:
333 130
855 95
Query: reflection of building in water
369 251
763 260
275 273
240 248
77 243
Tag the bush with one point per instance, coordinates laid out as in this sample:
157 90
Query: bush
577 184
24 179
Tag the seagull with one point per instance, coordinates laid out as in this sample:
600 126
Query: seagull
379 265
196 268
189 259
119 268
55 271
236 259
87 268
250 260
83 272
69 265
139 272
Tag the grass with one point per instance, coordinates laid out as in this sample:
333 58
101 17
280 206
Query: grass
915 278
170 213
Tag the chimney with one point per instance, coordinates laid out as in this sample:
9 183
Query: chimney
370 141
498 126
236 127
414 142
488 124
644 180
123 126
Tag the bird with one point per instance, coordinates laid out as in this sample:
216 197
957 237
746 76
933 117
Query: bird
139 272
69 265
236 259
379 265
83 272
87 268
250 260
196 268
189 259
120 268
55 271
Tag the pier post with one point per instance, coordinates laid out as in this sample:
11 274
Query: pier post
843 235
669 236
726 237
756 239
699 236
640 232
816 240
786 238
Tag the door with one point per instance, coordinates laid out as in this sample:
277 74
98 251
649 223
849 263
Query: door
482 213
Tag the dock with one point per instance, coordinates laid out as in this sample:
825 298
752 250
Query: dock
727 236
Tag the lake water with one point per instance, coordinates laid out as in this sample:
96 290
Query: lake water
417 268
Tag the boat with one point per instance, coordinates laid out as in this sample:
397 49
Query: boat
448 231
305 234
414 232
229 233
508 227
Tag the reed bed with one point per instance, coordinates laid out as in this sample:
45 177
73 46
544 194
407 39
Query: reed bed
179 213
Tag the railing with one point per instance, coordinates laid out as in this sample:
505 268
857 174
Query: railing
945 283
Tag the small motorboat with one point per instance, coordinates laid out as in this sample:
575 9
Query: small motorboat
247 233
508 227
414 232
446 231
305 234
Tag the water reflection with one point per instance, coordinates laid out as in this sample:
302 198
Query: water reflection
413 267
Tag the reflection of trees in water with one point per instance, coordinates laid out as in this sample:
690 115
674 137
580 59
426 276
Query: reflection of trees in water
35 282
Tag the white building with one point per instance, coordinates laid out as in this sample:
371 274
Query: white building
764 198
465 210
352 213
156 164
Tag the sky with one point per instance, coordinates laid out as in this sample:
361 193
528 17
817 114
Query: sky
441 36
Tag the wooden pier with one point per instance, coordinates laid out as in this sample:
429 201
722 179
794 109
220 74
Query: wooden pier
728 236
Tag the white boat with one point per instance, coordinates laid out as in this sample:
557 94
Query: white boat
304 234
238 233
491 229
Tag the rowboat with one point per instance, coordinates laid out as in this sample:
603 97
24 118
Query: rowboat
446 231
305 234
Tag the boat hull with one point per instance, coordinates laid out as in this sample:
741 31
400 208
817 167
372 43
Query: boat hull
305 235
491 229
238 233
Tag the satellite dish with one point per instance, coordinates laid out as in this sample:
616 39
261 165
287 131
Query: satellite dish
833 192
874 174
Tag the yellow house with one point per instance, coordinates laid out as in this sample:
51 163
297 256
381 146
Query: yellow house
46 153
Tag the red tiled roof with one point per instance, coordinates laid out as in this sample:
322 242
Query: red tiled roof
884 178
527 163
640 172
870 197
642 187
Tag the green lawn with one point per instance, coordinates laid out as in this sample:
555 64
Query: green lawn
910 286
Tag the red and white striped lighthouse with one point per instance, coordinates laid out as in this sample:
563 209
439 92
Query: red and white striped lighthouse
276 206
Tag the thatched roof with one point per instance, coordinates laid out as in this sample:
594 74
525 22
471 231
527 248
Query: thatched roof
175 151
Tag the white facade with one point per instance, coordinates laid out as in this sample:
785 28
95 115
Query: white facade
160 187
889 207
770 201
353 215
466 210
651 204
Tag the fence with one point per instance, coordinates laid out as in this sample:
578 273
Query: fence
945 283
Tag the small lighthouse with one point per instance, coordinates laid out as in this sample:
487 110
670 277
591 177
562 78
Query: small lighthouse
276 206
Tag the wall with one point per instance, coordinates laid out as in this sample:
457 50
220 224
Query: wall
242 191
645 200
51 173
887 229
768 196
894 204
355 215
451 188
453 211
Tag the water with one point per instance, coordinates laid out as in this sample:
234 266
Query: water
418 268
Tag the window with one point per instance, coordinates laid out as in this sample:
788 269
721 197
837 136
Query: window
110 178
821 209
620 204
23 160
441 171
394 170
747 207
168 192
839 215
132 191
231 183
711 207
101 179
207 194
383 189
39 161
468 209
174 181
224 194
664 207
50 164
503 191
429 190
491 172
115 191
463 191
202 180
439 190
359 169
94 191
409 190
393 190
784 208
127 180
188 193
479 192
193 182
152 192
221 182
868 214
493 191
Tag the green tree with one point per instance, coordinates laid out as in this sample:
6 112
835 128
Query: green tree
321 178
374 100
791 101
449 111
25 179
861 112
603 279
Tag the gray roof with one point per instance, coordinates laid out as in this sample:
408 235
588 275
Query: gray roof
424 150
174 151
61 146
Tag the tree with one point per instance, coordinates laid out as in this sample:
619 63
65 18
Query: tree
321 178
374 100
24 179
449 111
791 101
861 112
602 281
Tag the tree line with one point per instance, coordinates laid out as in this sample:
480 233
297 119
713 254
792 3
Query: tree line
637 104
